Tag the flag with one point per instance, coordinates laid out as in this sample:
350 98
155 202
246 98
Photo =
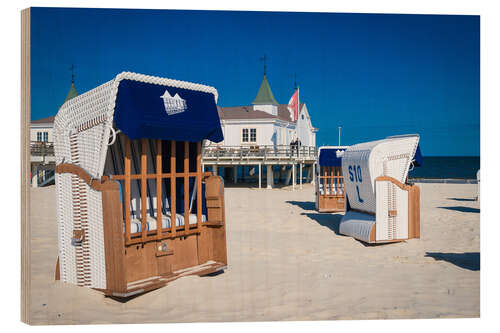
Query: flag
293 106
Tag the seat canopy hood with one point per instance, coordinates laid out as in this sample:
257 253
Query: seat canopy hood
330 156
157 108
418 159
364 162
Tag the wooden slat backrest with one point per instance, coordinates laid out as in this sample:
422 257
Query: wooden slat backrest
186 185
198 185
146 189
173 194
331 176
126 203
324 180
159 193
144 197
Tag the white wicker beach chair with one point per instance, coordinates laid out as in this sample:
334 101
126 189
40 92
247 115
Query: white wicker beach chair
118 189
381 207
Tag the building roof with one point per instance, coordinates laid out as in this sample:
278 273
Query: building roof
48 120
247 112
71 93
265 95
242 112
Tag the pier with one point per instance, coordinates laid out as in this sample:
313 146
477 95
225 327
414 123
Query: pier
259 156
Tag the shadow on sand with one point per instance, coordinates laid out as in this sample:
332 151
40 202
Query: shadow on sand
462 199
467 260
331 221
305 205
463 209
124 300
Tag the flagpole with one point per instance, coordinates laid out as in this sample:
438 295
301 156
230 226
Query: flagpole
298 100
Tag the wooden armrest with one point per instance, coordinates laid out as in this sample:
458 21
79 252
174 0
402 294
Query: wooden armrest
206 174
212 224
394 181
96 184
392 213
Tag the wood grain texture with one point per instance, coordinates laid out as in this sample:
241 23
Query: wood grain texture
414 212
140 259
186 185
333 202
95 184
173 193
198 185
144 196
126 198
114 241
159 190
394 181
58 270
25 165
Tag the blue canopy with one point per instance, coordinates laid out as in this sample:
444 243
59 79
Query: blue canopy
140 112
328 157
418 159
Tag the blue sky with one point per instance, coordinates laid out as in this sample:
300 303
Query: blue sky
375 75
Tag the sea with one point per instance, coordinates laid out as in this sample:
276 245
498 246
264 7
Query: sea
435 168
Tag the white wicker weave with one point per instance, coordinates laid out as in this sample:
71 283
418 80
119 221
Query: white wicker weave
81 134
361 165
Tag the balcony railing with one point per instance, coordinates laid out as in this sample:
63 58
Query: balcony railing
262 152
40 148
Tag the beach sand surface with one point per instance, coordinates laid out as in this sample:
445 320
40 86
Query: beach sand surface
288 262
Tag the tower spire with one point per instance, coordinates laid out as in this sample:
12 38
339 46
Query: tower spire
72 91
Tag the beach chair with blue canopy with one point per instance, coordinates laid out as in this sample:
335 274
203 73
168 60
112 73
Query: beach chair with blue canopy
329 184
134 209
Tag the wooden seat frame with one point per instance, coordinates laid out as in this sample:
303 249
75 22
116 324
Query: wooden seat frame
330 203
146 260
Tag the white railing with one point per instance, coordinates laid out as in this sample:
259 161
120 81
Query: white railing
260 152
41 148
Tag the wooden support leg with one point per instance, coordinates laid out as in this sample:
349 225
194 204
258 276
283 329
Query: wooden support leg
300 175
260 175
270 176
58 270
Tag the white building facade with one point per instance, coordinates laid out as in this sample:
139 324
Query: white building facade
260 136
42 158
266 122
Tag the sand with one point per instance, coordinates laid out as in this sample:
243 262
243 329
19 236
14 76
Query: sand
288 262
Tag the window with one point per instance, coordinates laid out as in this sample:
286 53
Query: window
249 135
244 135
42 136
253 135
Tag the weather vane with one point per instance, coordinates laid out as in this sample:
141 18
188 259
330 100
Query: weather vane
72 73
264 59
